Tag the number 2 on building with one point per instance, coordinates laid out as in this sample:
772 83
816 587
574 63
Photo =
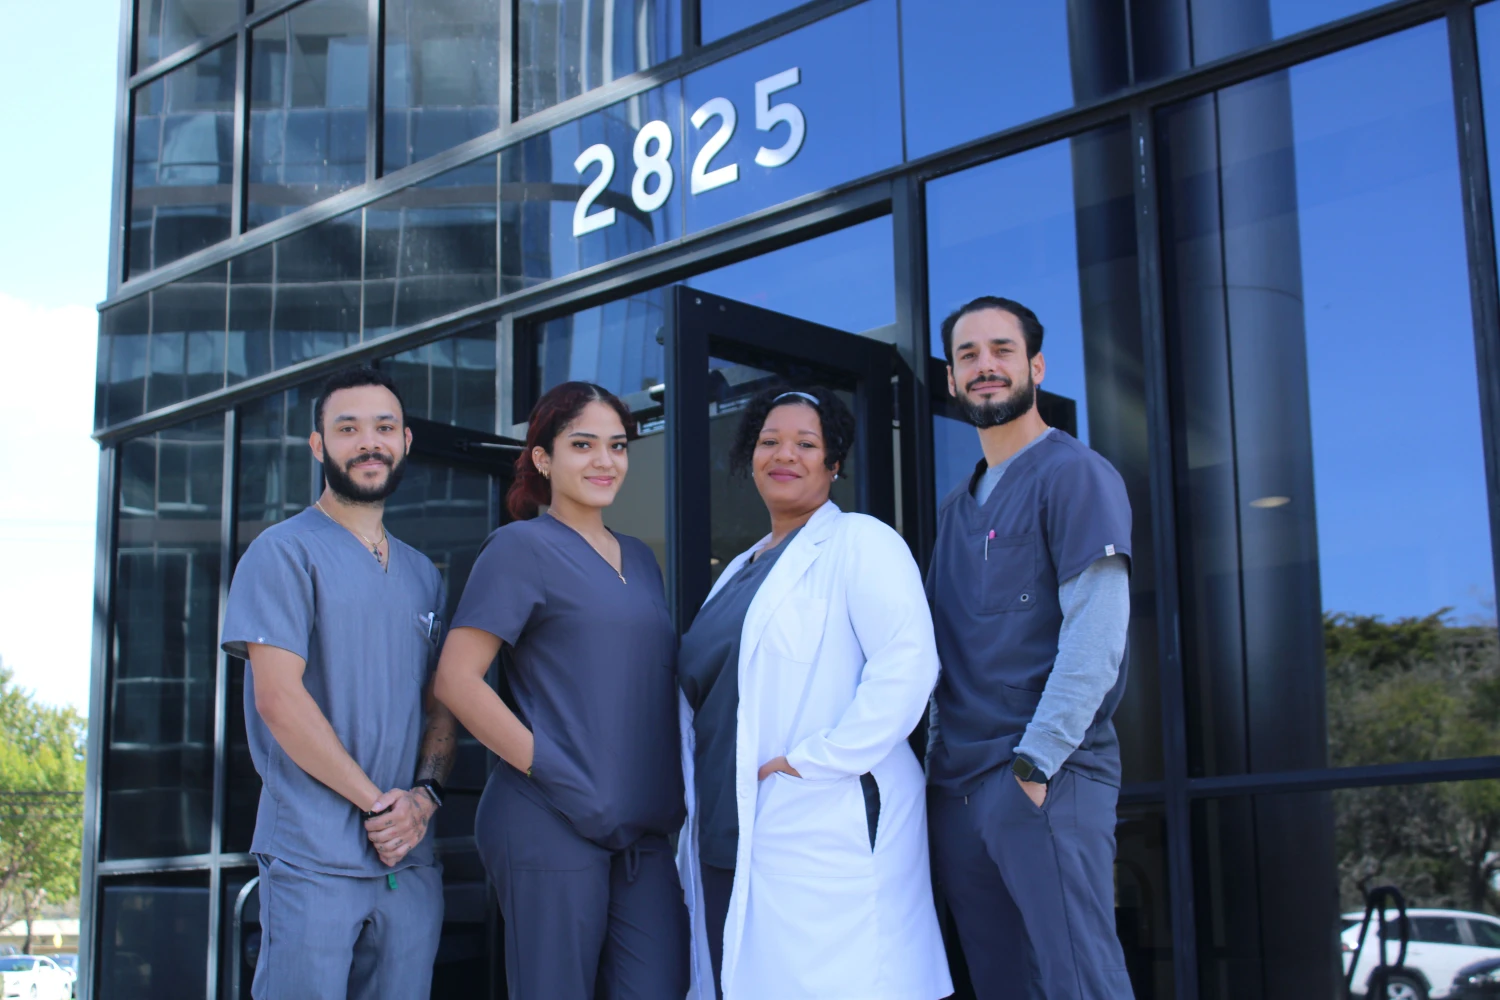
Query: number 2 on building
651 185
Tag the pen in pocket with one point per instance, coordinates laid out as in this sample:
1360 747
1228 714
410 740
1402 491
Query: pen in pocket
987 540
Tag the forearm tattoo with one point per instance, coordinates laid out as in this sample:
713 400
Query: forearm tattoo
439 745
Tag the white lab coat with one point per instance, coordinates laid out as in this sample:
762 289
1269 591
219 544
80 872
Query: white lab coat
837 660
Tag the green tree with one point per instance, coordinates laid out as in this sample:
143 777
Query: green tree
41 802
1405 690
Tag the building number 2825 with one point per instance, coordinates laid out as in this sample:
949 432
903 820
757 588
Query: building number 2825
656 162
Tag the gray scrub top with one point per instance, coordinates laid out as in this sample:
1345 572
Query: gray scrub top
370 638
593 675
996 613
708 668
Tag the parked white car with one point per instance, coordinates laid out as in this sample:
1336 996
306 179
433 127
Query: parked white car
34 977
1441 942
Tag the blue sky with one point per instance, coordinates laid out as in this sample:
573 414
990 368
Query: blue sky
57 63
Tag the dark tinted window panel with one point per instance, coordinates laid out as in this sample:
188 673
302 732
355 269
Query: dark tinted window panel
163 27
309 88
1054 228
1300 635
297 299
182 161
187 338
451 381
158 776
431 249
812 110
1143 914
239 946
568 47
120 390
553 222
717 18
1282 881
153 937
276 478
442 76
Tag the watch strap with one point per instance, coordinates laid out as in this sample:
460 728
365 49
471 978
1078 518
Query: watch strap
432 787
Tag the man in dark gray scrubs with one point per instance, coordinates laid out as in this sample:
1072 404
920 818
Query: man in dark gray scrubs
340 624
1030 592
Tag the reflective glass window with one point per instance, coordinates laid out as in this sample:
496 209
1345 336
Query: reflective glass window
186 350
153 936
442 76
1222 29
619 346
451 381
1329 616
718 18
158 767
120 383
296 299
1282 881
567 199
163 27
309 88
181 161
961 84
800 114
846 280
568 47
1054 229
431 249
276 477
1487 27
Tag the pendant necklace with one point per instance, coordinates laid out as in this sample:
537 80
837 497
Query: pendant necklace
374 546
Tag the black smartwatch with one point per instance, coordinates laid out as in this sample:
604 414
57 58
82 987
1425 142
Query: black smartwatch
1026 770
433 787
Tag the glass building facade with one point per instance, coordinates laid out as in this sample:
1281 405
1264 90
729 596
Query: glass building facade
1260 235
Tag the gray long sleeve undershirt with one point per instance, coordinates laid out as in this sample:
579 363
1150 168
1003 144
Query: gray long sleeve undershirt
1090 648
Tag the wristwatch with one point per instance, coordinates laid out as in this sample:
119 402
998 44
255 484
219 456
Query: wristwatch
432 787
1026 770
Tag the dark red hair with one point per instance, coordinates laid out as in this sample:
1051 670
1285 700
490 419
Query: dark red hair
551 415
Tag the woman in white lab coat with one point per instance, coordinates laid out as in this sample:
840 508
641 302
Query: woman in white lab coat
804 857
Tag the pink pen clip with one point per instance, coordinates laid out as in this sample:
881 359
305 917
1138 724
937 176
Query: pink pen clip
987 539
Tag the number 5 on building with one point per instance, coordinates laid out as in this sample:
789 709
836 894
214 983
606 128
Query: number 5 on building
768 116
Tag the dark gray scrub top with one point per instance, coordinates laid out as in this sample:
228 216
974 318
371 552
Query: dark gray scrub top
993 584
708 668
370 639
593 675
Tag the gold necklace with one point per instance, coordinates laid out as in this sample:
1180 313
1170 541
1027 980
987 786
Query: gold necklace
374 546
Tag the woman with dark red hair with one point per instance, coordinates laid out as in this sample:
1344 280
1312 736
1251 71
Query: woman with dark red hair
573 824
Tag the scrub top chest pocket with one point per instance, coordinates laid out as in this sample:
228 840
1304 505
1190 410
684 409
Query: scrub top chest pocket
1008 566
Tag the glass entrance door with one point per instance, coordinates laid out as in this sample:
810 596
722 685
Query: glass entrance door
725 352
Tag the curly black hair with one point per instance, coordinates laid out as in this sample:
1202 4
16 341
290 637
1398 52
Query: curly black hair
837 421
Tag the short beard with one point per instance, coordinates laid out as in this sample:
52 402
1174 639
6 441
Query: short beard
347 490
994 412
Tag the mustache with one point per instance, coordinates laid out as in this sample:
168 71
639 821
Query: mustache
380 457
999 380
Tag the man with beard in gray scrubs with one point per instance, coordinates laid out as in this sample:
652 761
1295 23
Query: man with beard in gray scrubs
340 623
1030 592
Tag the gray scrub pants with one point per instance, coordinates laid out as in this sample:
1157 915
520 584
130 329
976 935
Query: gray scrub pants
581 922
328 937
1032 890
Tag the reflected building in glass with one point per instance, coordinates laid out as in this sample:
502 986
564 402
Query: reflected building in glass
1259 234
